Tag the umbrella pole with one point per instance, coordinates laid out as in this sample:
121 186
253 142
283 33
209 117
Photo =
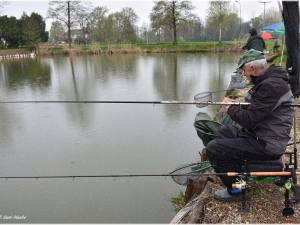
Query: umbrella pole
282 49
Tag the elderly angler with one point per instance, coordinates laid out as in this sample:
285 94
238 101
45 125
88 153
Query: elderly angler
265 124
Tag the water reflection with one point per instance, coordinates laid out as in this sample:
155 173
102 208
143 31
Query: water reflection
26 72
77 92
79 139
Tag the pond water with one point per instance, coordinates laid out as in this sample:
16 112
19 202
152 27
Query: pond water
39 139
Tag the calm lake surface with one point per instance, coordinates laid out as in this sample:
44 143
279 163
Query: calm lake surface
101 139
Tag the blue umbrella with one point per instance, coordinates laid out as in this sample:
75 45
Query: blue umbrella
275 28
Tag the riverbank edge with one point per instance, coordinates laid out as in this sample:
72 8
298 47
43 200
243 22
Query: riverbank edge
203 206
192 47
71 52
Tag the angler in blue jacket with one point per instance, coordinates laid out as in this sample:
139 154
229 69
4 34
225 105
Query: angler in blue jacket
265 123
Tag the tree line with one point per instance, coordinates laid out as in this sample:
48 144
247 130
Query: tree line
169 21
28 30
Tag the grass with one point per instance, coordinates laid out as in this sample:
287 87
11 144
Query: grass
178 202
149 48
163 47
256 192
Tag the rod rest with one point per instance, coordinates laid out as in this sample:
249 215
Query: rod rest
275 165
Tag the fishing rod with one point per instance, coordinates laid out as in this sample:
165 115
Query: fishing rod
230 174
131 102
142 102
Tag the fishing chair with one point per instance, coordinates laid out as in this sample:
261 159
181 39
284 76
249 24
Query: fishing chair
277 165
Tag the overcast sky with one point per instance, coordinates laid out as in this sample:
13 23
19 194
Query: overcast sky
141 7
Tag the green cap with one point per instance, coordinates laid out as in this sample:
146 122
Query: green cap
249 56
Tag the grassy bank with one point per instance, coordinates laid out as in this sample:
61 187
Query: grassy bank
63 49
140 48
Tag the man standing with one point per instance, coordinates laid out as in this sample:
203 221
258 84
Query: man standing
276 45
255 42
265 123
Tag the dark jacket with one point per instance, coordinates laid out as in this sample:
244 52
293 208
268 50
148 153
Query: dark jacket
266 118
255 42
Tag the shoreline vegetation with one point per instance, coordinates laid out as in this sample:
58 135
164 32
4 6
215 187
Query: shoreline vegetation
127 48
124 48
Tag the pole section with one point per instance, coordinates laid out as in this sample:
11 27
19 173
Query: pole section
240 20
264 11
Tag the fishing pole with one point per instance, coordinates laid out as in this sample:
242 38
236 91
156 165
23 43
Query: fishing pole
230 174
132 102
142 102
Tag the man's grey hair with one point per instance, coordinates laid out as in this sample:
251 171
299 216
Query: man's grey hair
260 64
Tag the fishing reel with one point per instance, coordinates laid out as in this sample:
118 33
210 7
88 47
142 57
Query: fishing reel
240 184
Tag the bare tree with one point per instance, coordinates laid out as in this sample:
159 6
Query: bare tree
273 15
129 14
280 8
144 32
82 19
170 13
66 12
2 4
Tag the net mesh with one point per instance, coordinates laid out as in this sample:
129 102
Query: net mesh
203 97
189 169
207 130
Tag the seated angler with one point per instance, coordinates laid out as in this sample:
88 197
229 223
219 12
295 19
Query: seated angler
265 123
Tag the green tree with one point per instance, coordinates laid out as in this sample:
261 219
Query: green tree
56 31
245 29
10 32
111 29
232 31
219 15
66 12
257 22
190 31
128 20
33 29
96 21
170 13
120 26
